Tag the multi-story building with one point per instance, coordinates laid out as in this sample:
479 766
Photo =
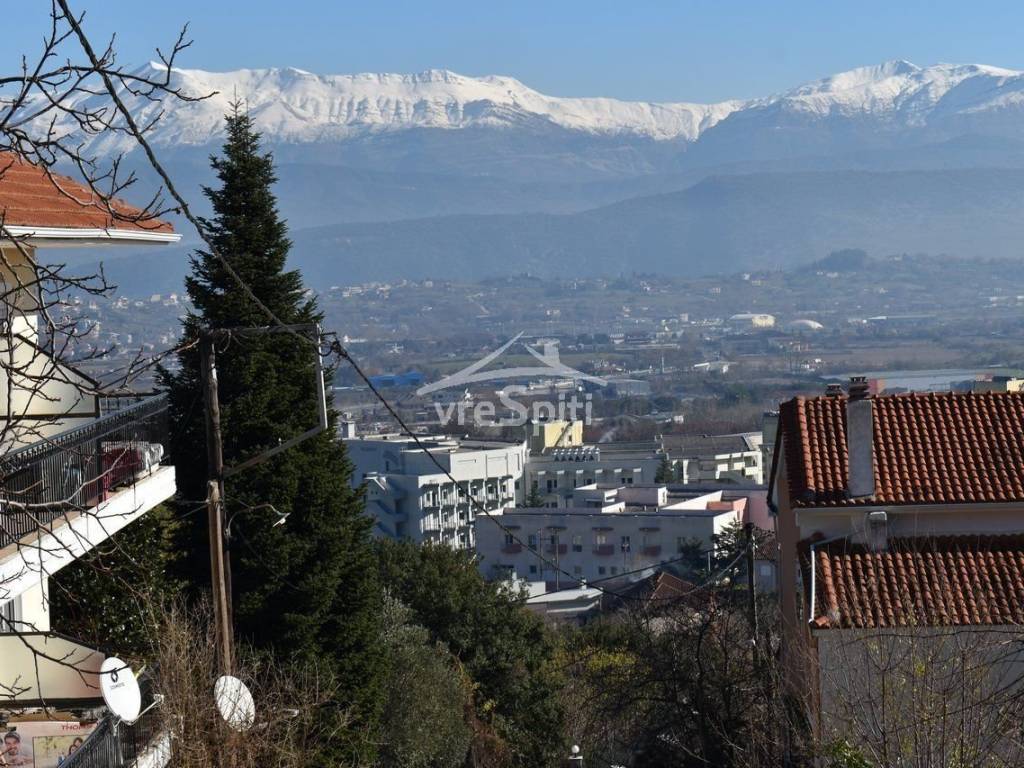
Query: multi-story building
73 474
555 472
410 497
735 458
605 532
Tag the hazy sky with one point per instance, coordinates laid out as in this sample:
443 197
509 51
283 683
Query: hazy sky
687 50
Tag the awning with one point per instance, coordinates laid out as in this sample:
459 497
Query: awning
40 668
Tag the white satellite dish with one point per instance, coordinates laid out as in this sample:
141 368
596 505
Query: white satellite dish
234 702
120 689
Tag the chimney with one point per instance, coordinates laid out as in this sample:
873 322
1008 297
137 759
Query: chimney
833 390
860 440
877 530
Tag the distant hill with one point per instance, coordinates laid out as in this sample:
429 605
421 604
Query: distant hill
722 224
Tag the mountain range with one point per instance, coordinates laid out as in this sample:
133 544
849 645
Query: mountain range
384 176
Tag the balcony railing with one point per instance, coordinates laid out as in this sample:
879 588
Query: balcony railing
79 468
120 745
604 549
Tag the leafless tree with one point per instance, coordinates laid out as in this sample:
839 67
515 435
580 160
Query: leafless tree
296 712
924 697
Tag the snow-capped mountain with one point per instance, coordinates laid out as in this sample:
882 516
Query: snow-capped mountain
293 106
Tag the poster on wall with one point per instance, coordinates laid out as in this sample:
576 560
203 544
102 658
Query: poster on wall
42 744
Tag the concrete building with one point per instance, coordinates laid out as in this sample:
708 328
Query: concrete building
558 472
74 475
736 458
409 497
694 460
605 532
752 321
556 433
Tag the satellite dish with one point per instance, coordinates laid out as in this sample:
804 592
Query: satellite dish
120 689
234 702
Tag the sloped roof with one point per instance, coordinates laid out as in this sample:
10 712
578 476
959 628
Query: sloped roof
929 448
918 582
34 202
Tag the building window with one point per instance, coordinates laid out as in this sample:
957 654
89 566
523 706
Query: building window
629 480
577 543
615 570
577 570
600 539
532 541
552 484
509 539
533 569
600 570
625 543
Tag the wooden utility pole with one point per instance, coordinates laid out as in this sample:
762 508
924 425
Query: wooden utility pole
748 528
219 569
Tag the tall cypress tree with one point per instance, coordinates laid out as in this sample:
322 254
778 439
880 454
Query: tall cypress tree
307 589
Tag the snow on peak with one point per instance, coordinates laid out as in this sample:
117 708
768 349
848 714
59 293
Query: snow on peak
293 105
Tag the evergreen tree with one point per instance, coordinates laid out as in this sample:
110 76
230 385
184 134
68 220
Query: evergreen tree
510 657
664 473
307 589
534 499
108 596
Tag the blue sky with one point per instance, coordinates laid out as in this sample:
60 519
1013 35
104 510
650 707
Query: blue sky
687 50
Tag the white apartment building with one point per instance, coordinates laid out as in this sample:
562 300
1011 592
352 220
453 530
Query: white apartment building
605 532
698 459
409 497
556 472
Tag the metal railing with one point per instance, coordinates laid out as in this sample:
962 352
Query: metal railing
116 744
79 468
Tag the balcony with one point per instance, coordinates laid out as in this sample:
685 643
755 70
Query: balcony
604 549
561 549
62 496
512 549
652 551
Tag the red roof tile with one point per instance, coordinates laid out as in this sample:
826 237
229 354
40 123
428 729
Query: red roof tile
943 581
29 197
929 448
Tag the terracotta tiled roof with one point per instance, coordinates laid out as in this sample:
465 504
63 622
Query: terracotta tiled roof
943 581
660 588
929 448
31 198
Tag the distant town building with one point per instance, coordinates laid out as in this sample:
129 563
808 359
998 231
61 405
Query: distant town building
556 473
734 458
1000 384
752 320
556 433
605 532
410 497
